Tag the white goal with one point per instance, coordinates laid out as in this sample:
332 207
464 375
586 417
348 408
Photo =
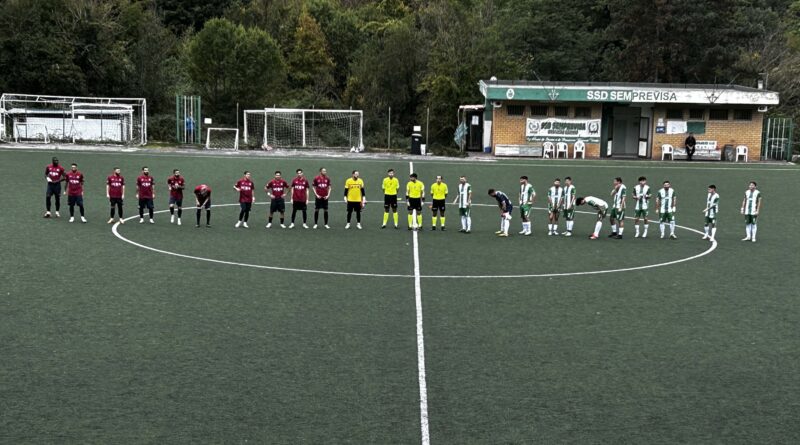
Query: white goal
304 128
72 119
222 139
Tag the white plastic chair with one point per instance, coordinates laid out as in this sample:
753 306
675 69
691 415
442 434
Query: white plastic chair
579 147
741 150
562 147
548 149
667 149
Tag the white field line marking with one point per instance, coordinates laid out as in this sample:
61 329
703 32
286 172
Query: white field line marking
114 229
423 385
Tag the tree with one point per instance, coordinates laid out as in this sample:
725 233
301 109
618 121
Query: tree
311 68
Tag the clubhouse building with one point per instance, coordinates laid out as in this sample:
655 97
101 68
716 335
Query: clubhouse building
617 120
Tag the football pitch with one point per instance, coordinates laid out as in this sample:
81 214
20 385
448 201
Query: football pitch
164 334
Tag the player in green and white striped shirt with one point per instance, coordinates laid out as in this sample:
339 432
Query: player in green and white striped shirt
618 196
751 207
527 195
666 203
710 212
464 202
641 197
601 207
570 193
555 201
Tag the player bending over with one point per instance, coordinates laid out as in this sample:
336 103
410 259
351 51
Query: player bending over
322 192
74 192
202 199
390 186
527 196
710 212
641 195
505 211
176 183
464 202
438 200
600 206
666 204
751 208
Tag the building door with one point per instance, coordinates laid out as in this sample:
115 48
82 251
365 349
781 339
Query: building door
626 131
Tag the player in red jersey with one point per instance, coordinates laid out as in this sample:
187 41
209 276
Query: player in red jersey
145 193
176 184
322 191
115 192
202 196
276 189
54 173
246 199
74 192
300 188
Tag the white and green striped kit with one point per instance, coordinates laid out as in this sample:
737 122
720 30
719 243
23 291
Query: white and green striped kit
712 204
666 199
597 203
569 196
463 195
619 196
751 199
555 196
642 196
526 193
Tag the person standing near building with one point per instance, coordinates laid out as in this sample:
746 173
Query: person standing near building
710 213
570 194
355 195
390 187
690 144
415 196
276 189
176 183
555 201
322 192
464 202
74 192
505 211
641 196
666 205
618 198
54 174
438 201
246 199
527 196
202 199
115 192
300 188
600 206
146 194
751 208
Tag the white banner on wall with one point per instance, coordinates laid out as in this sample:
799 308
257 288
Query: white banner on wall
563 130
676 127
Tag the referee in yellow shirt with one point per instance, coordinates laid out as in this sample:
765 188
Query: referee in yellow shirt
415 196
438 198
390 187
356 197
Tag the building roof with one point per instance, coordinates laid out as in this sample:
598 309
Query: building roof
625 92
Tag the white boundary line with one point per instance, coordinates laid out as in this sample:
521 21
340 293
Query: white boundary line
114 229
423 385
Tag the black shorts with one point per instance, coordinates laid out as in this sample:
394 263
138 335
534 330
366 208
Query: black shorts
390 201
115 201
351 206
299 205
146 203
321 203
75 200
438 204
246 206
415 204
277 205
53 188
176 201
207 204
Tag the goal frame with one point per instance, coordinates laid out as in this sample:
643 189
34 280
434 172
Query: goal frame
302 111
17 136
208 138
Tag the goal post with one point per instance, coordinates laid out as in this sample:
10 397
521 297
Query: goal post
298 128
25 132
218 138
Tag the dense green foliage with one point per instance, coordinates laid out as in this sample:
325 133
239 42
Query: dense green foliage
412 56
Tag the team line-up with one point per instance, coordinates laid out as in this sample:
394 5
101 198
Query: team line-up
561 201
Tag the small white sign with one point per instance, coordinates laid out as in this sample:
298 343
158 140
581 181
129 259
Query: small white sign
207 121
676 127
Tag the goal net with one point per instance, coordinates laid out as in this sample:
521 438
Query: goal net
304 128
222 139
70 119
25 132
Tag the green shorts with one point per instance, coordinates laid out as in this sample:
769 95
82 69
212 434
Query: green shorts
751 219
667 217
463 211
601 214
711 221
618 214
552 209
525 211
641 213
569 214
